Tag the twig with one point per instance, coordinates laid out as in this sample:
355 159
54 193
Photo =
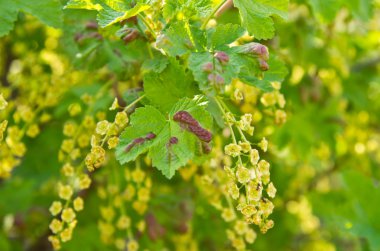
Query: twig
220 5
224 7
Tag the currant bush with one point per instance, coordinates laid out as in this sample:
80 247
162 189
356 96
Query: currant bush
189 125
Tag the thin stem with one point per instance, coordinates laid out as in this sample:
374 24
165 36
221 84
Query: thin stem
219 103
188 30
150 51
133 103
240 131
116 178
147 25
212 14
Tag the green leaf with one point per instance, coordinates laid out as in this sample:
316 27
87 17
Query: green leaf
143 121
257 16
8 15
250 72
188 8
355 205
165 157
197 107
277 70
224 34
165 88
326 9
169 157
108 16
263 85
47 11
158 64
180 38
248 63
196 62
109 11
362 9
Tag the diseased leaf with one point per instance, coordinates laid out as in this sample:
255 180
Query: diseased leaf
257 16
197 107
197 61
166 156
143 121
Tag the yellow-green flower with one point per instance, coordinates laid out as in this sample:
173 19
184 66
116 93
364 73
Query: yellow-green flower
68 215
232 150
56 226
242 174
65 192
78 204
264 144
254 156
132 245
55 208
271 190
102 127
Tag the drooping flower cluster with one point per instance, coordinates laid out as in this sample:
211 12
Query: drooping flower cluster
91 137
277 101
271 104
244 182
106 133
29 100
124 197
3 124
214 184
249 175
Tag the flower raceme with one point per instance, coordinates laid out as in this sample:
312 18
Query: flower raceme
3 124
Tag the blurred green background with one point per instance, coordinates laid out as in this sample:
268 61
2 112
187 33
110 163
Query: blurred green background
325 159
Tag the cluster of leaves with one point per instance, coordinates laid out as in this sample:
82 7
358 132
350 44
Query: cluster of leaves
183 36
